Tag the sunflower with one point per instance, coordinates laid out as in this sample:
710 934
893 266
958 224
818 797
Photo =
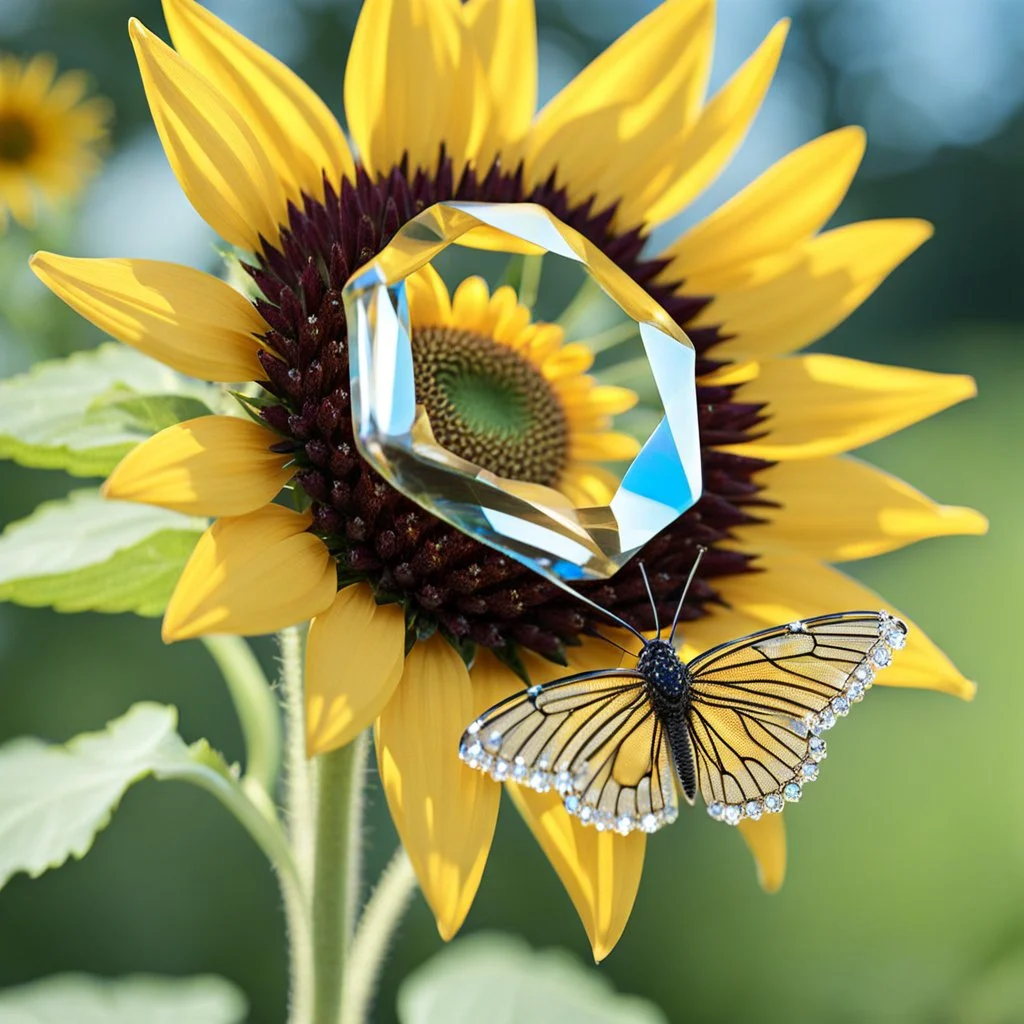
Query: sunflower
440 102
48 135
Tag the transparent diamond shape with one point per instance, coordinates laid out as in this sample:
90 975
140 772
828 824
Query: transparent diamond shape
534 524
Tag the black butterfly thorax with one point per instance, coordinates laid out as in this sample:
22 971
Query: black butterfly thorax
668 680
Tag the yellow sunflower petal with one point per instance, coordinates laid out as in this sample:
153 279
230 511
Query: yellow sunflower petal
210 466
766 840
791 201
628 105
816 287
414 79
444 812
504 34
569 361
608 446
600 870
188 320
429 303
838 509
689 166
291 124
471 304
823 405
354 659
791 587
217 160
251 574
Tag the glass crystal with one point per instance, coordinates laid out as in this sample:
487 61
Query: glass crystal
563 782
493 742
540 781
624 825
670 813
809 771
519 770
863 674
773 803
716 809
572 803
841 705
500 771
894 634
825 721
534 524
816 748
649 823
753 809
880 656
855 691
792 792
732 814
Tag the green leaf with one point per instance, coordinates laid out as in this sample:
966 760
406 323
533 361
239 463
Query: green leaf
81 999
83 413
84 553
54 799
501 980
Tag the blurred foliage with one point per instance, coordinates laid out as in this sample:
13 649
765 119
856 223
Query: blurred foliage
906 883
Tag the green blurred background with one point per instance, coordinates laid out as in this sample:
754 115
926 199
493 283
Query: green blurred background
905 895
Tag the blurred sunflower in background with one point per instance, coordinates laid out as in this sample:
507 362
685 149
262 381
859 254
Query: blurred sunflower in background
416 627
50 135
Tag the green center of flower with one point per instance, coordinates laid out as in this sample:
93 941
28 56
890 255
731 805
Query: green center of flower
17 139
489 405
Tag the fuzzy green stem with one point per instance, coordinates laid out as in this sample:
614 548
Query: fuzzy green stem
298 800
377 927
258 713
336 872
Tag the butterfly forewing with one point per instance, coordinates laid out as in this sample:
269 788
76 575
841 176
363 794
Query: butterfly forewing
759 704
593 737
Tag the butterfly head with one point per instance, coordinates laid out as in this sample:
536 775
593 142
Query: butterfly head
663 670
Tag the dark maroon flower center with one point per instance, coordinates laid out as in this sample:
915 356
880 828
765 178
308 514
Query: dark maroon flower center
444 579
17 139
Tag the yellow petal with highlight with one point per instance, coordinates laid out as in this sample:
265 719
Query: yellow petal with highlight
216 158
414 80
188 320
823 405
210 466
354 659
815 287
606 447
429 303
766 840
791 201
630 105
444 811
691 164
600 870
252 574
290 123
504 35
838 509
792 587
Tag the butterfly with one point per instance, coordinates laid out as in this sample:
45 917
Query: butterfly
742 722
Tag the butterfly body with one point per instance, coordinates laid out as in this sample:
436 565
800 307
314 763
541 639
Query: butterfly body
668 687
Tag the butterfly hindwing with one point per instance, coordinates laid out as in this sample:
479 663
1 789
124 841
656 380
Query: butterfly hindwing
758 705
593 737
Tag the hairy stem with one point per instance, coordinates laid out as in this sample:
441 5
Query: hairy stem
258 713
381 917
336 872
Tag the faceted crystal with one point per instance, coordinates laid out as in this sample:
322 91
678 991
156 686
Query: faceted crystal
649 823
753 809
880 656
716 810
816 748
855 691
624 825
826 720
792 792
895 634
572 803
809 771
841 705
534 524
732 814
773 803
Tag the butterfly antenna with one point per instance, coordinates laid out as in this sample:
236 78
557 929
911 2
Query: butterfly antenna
611 615
682 597
650 595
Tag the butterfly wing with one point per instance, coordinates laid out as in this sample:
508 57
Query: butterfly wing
592 737
758 706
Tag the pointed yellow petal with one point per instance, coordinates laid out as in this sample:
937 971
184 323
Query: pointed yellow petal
354 660
792 587
823 405
188 320
600 870
838 509
210 466
817 287
606 447
217 160
290 123
690 165
787 204
630 106
429 303
766 840
252 574
444 812
414 80
504 34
